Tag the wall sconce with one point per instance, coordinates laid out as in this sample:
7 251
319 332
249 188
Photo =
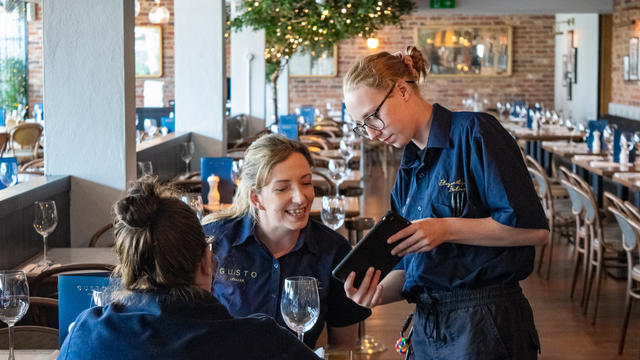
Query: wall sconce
159 14
373 43
570 22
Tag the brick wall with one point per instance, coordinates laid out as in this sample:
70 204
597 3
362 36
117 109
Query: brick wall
35 55
532 66
624 12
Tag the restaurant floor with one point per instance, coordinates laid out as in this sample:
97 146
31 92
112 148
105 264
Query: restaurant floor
564 332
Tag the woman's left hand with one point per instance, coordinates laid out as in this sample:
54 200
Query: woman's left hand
423 235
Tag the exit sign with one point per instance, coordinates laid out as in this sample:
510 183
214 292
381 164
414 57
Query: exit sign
443 4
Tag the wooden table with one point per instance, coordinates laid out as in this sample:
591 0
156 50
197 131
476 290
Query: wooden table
628 179
599 167
567 149
66 256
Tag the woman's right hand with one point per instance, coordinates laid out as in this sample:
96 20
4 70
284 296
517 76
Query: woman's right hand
370 291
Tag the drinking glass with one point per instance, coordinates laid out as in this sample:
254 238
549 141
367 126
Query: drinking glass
337 171
607 133
236 169
14 300
146 168
186 153
242 124
45 221
636 141
300 304
8 173
333 209
195 202
500 108
346 150
97 298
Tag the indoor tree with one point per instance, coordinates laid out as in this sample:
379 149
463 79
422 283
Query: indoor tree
313 26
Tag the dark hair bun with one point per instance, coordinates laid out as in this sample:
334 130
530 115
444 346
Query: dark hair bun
139 207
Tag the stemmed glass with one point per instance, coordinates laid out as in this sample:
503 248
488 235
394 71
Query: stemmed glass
195 202
608 134
242 124
636 141
45 221
186 153
8 173
236 170
333 209
14 300
500 109
146 168
300 304
337 170
571 127
346 150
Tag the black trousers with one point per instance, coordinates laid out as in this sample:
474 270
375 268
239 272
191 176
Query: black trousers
494 322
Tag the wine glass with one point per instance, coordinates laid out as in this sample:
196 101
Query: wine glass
500 109
236 169
195 202
346 150
45 221
8 173
186 153
337 170
300 304
333 209
636 141
242 124
571 127
607 133
97 298
146 168
14 300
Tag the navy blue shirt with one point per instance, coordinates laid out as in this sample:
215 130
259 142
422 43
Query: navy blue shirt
147 327
470 153
249 279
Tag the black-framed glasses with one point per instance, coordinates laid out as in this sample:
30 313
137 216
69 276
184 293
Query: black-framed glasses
373 121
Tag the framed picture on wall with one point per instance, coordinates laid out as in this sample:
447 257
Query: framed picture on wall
625 66
633 58
148 51
314 65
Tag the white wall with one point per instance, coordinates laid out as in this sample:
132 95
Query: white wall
524 6
584 103
200 74
89 94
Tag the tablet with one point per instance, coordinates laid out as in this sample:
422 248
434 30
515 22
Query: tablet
373 250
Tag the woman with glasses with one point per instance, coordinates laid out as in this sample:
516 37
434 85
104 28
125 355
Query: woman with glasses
163 308
475 217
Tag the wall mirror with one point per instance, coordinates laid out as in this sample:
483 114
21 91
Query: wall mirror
466 50
148 50
319 65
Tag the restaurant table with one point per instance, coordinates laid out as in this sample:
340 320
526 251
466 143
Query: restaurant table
67 256
564 149
352 179
47 354
599 167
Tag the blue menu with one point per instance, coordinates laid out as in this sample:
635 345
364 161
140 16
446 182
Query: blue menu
8 160
308 113
169 123
593 126
2 123
74 296
288 126
221 167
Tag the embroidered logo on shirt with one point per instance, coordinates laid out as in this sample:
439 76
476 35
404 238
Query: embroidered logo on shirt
237 275
453 186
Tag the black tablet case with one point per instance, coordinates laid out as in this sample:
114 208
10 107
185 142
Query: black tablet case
373 250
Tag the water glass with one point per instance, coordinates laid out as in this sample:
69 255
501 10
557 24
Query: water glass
146 168
8 173
45 222
97 298
333 211
14 300
300 303
186 153
195 202
347 150
337 172
236 170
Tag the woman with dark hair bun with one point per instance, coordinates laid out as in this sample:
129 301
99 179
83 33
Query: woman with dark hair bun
163 307
475 217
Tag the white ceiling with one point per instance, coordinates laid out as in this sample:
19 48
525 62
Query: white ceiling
523 6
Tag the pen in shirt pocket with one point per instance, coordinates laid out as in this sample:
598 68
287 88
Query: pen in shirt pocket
458 202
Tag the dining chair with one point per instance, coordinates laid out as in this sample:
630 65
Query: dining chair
26 135
580 245
46 277
630 231
34 167
4 142
29 337
326 131
42 311
98 234
314 143
600 247
557 190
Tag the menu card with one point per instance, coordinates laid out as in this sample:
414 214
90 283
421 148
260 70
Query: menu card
288 126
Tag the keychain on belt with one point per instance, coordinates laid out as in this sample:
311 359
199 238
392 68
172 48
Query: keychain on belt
403 345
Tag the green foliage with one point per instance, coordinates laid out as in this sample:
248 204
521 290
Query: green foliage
13 83
310 26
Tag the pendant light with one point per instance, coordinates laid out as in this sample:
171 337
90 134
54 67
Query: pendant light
159 14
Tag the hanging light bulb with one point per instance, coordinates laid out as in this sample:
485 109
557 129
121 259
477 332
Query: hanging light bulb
159 14
137 7
372 43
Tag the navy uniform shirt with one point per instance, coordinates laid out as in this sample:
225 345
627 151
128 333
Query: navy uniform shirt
249 279
470 153
147 327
